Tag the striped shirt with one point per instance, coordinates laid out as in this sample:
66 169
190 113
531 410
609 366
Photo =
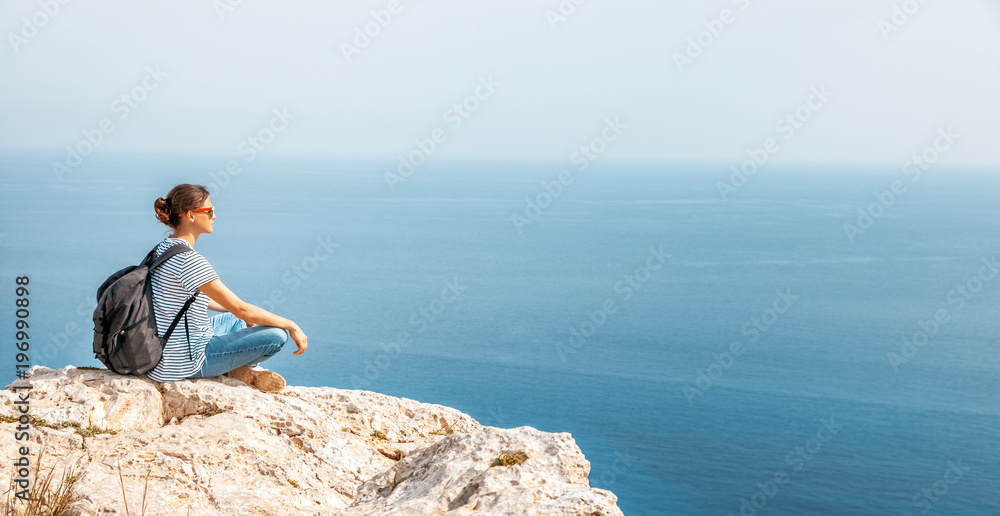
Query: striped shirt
173 283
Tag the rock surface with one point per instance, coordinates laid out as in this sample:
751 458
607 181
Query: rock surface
216 446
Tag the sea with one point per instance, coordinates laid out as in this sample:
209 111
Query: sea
807 340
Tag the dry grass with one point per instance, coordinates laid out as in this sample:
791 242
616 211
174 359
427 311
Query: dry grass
91 431
396 480
88 431
51 495
48 495
445 429
145 488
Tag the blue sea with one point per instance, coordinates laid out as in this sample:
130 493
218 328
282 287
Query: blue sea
738 356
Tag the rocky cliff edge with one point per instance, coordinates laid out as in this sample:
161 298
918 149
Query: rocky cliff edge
216 446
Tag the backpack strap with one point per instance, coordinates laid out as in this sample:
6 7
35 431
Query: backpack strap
171 251
177 319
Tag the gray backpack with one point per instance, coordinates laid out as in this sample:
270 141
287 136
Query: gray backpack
125 337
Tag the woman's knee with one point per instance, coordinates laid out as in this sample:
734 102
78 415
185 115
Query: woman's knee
275 336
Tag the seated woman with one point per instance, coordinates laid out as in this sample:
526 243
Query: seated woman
233 343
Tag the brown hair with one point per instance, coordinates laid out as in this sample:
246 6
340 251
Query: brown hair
180 199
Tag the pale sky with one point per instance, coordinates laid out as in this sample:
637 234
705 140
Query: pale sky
553 82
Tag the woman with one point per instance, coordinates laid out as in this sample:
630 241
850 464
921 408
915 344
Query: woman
233 343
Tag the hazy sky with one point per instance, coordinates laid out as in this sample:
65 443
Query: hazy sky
221 69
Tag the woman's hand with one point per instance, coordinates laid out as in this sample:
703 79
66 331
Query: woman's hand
250 314
299 338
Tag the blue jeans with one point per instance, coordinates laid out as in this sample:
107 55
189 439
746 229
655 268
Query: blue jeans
235 345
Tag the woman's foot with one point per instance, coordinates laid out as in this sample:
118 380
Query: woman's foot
262 379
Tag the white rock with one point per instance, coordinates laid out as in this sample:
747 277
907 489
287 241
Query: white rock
228 449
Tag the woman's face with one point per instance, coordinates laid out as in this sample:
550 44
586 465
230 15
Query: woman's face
204 216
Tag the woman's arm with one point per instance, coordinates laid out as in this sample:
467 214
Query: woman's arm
215 307
218 292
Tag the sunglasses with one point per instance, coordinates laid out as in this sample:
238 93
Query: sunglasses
211 211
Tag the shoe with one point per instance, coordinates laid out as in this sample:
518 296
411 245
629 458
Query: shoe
258 377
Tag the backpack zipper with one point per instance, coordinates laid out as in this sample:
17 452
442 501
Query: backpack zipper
133 325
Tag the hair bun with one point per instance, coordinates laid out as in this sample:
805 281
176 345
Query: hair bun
183 197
